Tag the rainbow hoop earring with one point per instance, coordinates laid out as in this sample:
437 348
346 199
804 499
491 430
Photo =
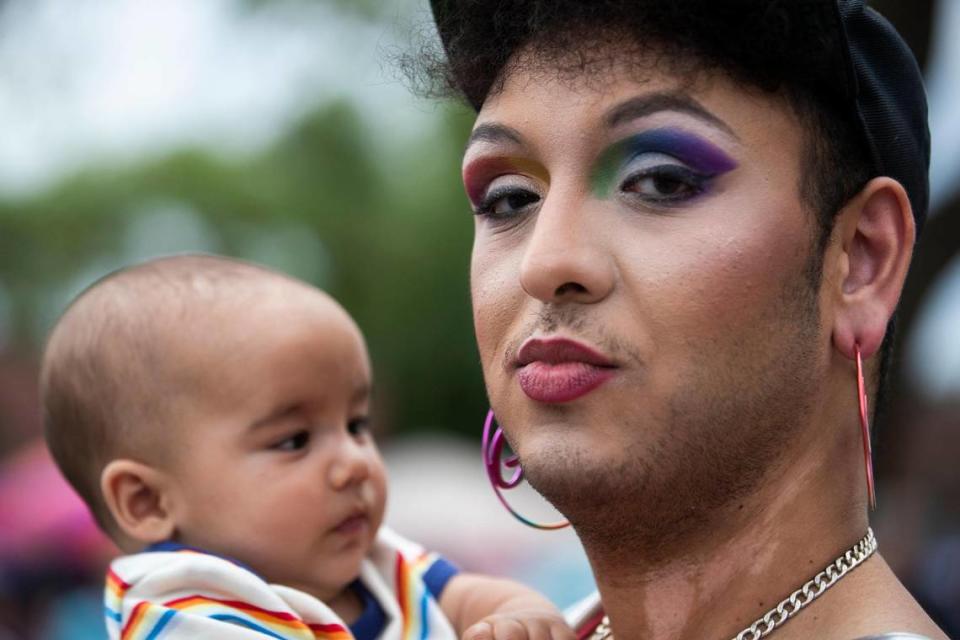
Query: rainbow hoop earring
865 429
491 448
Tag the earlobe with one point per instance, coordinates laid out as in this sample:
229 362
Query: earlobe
877 233
137 497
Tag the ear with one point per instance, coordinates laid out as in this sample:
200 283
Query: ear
138 498
877 234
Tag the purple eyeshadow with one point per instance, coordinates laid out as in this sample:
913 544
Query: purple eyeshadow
697 154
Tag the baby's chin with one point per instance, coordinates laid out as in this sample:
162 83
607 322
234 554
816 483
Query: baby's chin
335 580
338 573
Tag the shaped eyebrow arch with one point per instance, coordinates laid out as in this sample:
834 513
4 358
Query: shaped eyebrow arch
494 132
645 105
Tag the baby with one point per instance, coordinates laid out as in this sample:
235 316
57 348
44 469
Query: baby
214 416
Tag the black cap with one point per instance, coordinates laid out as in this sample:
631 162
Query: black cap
862 63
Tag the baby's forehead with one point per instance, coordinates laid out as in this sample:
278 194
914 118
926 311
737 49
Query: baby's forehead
240 292
265 309
284 310
294 347
172 312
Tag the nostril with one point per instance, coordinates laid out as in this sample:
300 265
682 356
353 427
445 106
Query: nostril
570 287
349 471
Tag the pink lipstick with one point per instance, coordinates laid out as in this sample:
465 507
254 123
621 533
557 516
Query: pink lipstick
559 370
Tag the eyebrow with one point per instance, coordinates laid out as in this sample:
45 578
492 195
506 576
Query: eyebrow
276 416
492 132
631 109
645 105
362 392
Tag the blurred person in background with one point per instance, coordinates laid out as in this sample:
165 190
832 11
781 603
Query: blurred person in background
693 226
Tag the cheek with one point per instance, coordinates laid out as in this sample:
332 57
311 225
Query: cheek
378 486
496 297
379 477
718 279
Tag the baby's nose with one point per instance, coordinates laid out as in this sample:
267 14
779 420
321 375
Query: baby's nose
352 466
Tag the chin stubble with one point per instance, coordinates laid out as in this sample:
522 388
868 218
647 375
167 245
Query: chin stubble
723 433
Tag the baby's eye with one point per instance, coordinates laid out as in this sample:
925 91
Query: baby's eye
358 426
297 441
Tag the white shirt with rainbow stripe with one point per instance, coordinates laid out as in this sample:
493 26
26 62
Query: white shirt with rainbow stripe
161 595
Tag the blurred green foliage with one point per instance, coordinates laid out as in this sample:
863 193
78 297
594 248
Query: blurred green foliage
387 236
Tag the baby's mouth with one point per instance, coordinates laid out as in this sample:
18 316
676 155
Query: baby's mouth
355 524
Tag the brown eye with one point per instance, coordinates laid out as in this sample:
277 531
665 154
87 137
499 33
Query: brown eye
358 426
658 186
505 202
664 184
297 441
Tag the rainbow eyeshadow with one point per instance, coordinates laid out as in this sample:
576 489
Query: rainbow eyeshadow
477 175
697 154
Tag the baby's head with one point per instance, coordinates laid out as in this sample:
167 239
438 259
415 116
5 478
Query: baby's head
224 406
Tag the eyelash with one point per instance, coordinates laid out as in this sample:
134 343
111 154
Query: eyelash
358 426
297 441
487 205
694 183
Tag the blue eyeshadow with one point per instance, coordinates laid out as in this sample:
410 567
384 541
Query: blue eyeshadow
693 151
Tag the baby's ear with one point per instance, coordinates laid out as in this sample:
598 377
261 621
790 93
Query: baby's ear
137 496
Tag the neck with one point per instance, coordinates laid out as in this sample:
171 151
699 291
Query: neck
718 579
347 605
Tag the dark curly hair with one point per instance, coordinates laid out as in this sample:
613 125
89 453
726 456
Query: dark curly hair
769 45
784 47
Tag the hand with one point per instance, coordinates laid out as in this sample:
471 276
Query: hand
530 624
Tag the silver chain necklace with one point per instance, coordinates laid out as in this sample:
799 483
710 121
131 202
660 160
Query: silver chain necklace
792 604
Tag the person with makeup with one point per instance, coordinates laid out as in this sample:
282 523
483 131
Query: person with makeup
213 415
693 222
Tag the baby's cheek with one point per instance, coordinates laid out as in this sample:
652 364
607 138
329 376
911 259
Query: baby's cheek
377 488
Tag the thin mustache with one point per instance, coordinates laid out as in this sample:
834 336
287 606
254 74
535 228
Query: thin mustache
551 319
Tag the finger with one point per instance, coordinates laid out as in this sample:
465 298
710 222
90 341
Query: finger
480 631
538 630
507 629
561 631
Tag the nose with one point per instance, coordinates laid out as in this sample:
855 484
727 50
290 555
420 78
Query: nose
351 466
567 257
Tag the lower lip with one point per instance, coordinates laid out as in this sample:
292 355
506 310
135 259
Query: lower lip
353 526
562 382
